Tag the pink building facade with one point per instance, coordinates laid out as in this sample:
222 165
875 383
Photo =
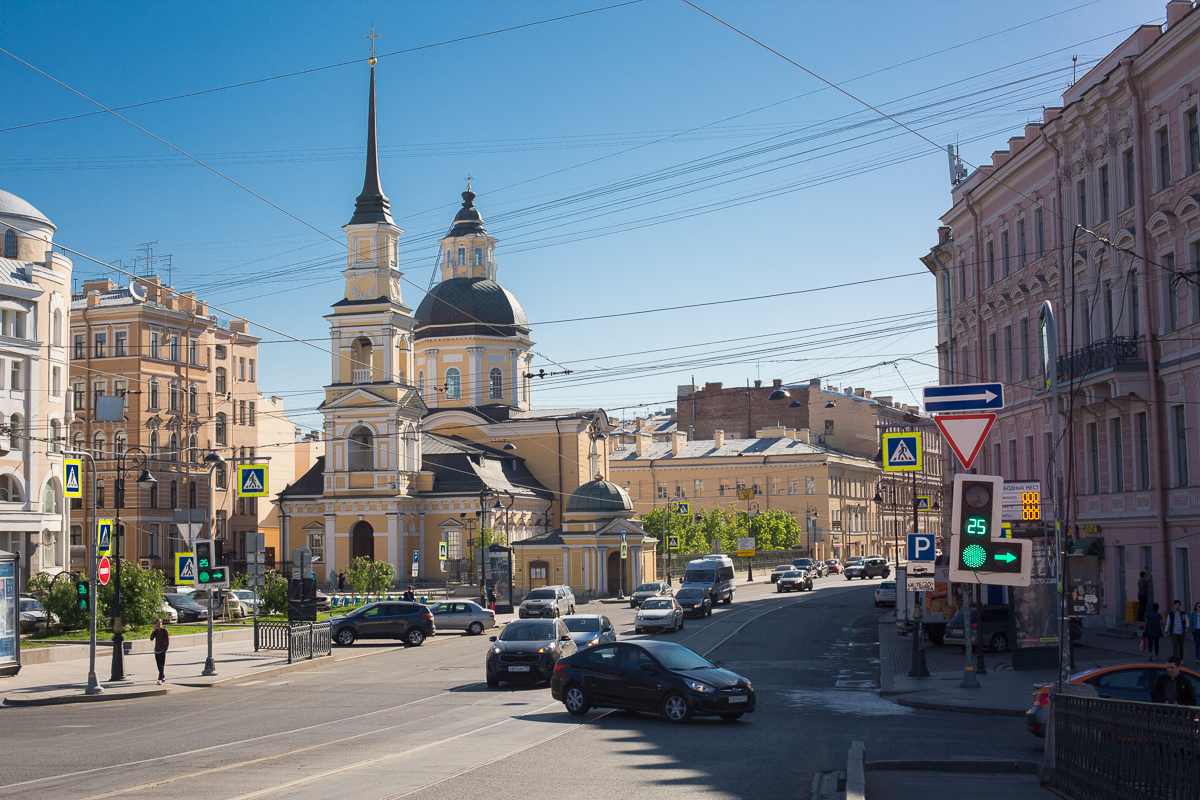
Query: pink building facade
1096 209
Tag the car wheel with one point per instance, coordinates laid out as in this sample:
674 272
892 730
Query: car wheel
709 614
681 623
999 643
849 578
493 683
877 604
475 628
632 604
779 590
576 700
345 637
415 637
675 708
732 716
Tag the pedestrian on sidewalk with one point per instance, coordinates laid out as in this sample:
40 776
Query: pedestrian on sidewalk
162 640
1172 688
410 595
1194 626
341 581
1153 630
1177 630
491 596
1143 587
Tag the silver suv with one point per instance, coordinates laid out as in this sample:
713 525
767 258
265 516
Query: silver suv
548 601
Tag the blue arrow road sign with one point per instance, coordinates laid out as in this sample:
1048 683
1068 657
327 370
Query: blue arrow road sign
920 547
964 397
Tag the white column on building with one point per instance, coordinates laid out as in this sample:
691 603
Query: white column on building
420 534
394 534
514 371
601 569
431 377
475 369
330 540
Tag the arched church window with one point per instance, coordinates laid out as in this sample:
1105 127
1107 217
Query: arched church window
479 256
421 383
361 451
453 384
10 243
361 356
462 256
496 384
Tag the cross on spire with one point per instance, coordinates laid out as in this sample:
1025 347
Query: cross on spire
468 180
372 39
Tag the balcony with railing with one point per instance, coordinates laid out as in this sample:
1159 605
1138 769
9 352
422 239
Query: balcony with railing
361 375
1097 356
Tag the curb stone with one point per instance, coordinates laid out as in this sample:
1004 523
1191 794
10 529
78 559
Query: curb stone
979 766
67 699
934 705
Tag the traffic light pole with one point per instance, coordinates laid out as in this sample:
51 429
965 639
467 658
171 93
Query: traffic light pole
1050 368
93 684
210 666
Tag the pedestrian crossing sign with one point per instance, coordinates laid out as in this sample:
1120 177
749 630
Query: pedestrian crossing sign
902 452
252 480
922 504
72 477
683 507
185 568
624 550
672 542
443 550
104 529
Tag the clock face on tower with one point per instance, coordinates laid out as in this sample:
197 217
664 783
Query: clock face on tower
362 287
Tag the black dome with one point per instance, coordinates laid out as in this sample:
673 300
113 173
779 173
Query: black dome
470 307
468 219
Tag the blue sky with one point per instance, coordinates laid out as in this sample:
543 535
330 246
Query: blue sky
633 158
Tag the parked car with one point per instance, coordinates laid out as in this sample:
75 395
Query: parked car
527 651
1122 682
167 613
782 568
695 601
589 630
324 603
659 613
885 594
466 616
33 615
870 567
795 581
187 608
412 623
548 601
249 599
995 628
657 677
715 573
648 590
806 565
832 567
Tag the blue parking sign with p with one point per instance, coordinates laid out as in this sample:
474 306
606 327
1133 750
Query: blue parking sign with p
921 547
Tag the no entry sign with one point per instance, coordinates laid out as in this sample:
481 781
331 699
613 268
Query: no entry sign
104 571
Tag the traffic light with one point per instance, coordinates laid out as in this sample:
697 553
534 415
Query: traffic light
209 571
83 595
976 556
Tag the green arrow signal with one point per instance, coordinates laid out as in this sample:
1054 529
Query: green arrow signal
1008 557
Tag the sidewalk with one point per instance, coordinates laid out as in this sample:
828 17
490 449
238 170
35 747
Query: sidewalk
64 681
1003 691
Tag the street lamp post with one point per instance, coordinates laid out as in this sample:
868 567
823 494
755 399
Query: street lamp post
210 667
134 455
93 684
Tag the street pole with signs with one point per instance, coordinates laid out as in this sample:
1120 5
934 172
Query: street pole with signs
75 466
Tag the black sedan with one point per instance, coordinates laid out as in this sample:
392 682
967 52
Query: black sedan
795 581
527 651
659 677
412 623
187 608
695 601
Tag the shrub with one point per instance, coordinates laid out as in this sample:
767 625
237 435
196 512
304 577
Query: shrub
141 595
274 594
58 598
370 576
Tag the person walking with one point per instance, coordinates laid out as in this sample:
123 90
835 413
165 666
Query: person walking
1177 630
162 640
1173 688
491 596
1194 627
341 581
1153 631
410 595
1143 594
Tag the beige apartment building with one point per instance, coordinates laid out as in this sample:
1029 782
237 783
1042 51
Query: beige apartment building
190 383
827 490
35 284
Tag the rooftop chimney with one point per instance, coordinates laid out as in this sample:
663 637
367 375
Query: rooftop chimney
1177 10
641 443
814 383
678 440
718 439
758 384
775 384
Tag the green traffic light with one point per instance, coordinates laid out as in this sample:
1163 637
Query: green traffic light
204 577
976 526
1009 557
974 556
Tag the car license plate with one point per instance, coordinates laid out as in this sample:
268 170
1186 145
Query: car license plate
739 698
518 669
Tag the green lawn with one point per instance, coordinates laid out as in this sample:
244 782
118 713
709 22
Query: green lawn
132 632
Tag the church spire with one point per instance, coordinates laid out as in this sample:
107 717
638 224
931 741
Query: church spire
372 204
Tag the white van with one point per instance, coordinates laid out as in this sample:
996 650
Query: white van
714 573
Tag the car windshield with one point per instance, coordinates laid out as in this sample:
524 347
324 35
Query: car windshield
529 632
785 567
831 561
888 585
691 594
657 604
582 624
792 573
540 594
679 657
648 587
803 562
31 605
699 576
181 599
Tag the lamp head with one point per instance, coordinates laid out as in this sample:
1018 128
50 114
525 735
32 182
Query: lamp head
214 458
146 477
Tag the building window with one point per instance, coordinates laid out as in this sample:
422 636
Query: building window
192 494
1143 451
251 370
173 396
1004 253
222 435
153 540
496 384
100 493
154 495
220 351
453 384
361 454
462 256
316 543
221 519
1009 372
1039 229
810 484
993 358
1026 356
1130 179
421 383
241 369
174 348
174 495
479 256
1135 306
153 401
250 407
1030 460
55 436
793 485
192 400
698 488
1181 451
192 352
991 263
1116 455
193 454
241 412
97 393
121 343
10 243
119 442
722 489
1022 255
154 449
680 494
1164 157
660 491
1168 262
173 447
757 489
1082 189
15 441
80 344
56 381
1105 189
219 476
220 380
100 345
774 485
78 400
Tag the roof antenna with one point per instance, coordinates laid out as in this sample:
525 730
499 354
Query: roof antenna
1074 61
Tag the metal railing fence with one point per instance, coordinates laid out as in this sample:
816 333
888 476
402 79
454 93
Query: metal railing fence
1125 750
306 640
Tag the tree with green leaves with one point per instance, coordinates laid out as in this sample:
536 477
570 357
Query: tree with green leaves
141 595
487 536
57 595
274 595
370 576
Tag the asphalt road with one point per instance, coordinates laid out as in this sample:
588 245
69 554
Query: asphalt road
419 722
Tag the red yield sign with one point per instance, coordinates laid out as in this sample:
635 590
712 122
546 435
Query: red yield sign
965 433
104 571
